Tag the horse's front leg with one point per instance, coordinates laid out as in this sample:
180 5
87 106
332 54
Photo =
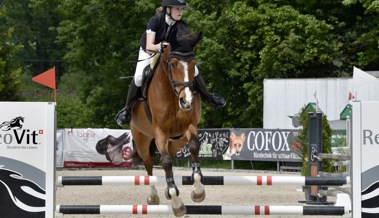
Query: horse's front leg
172 192
198 194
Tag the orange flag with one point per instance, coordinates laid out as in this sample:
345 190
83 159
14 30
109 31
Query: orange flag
351 96
47 79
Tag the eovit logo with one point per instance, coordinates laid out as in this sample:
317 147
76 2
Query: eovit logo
14 133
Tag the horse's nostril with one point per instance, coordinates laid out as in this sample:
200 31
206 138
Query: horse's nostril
184 105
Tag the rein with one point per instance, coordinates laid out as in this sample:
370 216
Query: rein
163 46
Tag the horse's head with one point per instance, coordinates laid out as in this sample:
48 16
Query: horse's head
181 65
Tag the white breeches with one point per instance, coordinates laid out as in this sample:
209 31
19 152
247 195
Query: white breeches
142 64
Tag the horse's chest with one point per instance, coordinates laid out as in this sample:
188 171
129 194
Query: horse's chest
175 123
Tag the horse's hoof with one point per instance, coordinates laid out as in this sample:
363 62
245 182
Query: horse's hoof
197 197
181 211
167 194
153 200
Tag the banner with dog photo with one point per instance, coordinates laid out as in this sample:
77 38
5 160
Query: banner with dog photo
262 145
97 148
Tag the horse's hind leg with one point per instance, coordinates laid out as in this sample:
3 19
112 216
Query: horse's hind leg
153 198
147 153
198 194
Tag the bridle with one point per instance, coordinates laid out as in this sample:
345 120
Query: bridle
184 56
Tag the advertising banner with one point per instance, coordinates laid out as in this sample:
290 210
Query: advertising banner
246 144
365 157
97 148
27 159
214 143
263 145
59 148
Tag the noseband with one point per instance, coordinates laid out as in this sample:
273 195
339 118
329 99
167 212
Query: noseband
188 56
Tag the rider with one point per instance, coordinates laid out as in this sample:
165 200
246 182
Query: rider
154 38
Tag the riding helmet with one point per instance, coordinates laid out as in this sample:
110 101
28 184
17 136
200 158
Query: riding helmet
174 3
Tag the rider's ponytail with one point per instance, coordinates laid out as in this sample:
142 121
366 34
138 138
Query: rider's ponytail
159 10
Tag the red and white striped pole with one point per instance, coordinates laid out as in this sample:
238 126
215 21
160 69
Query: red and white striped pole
203 209
208 180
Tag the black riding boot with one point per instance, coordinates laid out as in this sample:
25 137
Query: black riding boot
215 100
123 117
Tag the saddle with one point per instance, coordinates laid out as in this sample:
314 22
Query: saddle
147 75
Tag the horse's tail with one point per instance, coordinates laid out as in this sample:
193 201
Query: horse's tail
136 157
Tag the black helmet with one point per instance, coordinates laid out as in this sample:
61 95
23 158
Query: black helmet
174 3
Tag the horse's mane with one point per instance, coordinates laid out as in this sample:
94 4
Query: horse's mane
186 35
183 39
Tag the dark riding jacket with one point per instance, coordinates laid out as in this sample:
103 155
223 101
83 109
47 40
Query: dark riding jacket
158 24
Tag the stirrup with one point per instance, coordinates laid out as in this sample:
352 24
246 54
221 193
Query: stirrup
122 117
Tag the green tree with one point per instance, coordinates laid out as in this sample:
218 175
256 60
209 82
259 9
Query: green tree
302 143
366 33
34 23
9 73
70 109
103 40
245 44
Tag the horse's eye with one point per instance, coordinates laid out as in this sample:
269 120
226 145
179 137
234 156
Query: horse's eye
172 64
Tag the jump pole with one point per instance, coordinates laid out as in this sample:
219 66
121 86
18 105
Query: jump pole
208 180
204 209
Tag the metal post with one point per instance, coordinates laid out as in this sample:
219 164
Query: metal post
315 147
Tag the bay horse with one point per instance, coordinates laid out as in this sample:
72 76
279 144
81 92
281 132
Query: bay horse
175 111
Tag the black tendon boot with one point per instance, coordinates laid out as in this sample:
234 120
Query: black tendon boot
123 117
215 100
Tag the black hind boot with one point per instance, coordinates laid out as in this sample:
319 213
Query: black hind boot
215 100
123 117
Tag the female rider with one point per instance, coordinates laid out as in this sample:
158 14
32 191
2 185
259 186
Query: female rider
156 35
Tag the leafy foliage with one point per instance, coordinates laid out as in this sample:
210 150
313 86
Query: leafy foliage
302 142
9 73
103 40
244 42
247 44
367 32
34 23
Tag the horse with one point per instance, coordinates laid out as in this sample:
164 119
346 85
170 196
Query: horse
172 117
